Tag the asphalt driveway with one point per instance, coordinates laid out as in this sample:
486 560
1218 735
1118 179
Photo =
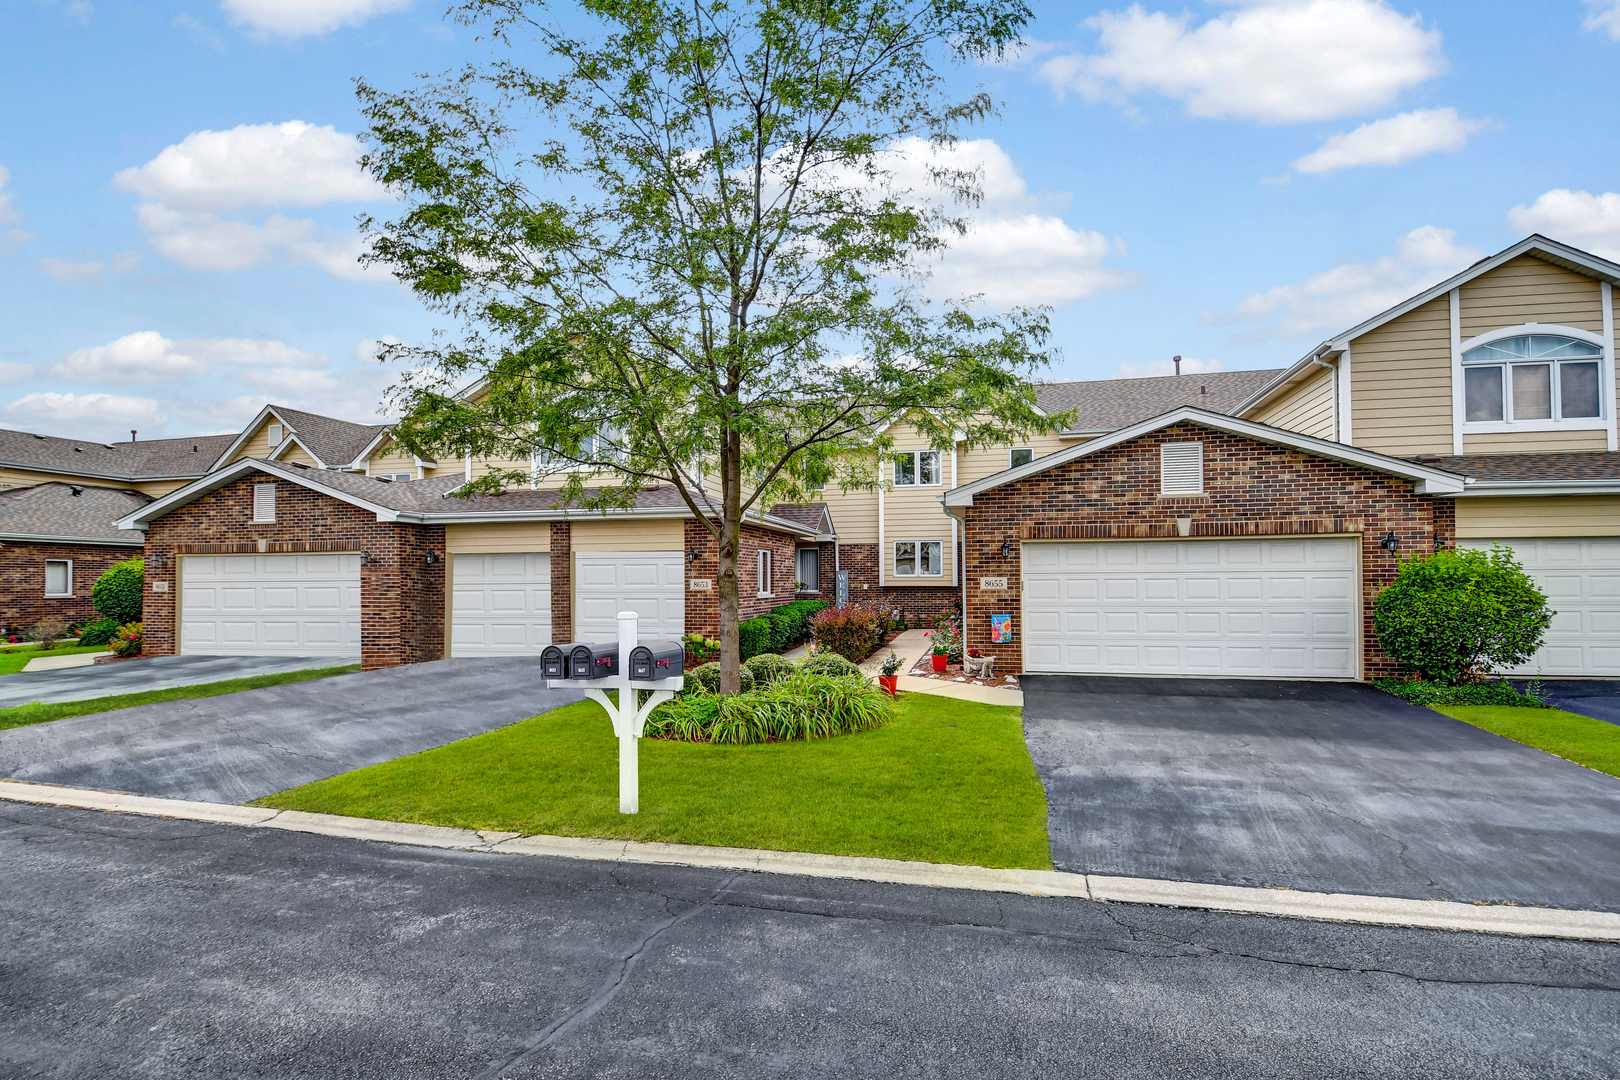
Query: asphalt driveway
146 673
242 746
1323 786
1597 698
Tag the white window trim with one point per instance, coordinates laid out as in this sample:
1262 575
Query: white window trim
1459 403
59 595
1011 450
916 468
894 565
764 567
257 520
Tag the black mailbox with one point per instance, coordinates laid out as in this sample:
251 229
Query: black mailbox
593 661
554 659
657 660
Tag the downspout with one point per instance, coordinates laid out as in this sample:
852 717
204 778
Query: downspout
1316 359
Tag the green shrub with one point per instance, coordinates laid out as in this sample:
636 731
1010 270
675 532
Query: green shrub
118 593
753 637
801 706
1488 692
768 667
99 632
706 678
790 623
1456 614
128 640
852 631
826 663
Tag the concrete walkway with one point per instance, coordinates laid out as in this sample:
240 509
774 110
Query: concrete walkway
241 746
59 663
147 673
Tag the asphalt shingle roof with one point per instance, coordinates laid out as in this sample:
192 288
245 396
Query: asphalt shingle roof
1591 465
54 510
153 459
335 442
1110 404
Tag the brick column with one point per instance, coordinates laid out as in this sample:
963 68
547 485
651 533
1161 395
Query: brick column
562 582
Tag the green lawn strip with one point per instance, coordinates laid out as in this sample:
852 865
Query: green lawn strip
14 660
1581 739
38 712
946 781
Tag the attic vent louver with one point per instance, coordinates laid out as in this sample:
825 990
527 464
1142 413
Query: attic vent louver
1181 468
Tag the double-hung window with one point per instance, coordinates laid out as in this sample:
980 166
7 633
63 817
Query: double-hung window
1533 378
918 558
809 569
1020 455
58 577
916 468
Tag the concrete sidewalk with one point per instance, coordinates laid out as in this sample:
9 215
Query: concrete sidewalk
147 673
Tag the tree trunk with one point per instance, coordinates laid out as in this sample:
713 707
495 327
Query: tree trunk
730 547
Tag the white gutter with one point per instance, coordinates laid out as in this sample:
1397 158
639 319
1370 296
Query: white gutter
37 538
1532 488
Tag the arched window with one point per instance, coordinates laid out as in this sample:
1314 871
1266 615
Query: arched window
1533 377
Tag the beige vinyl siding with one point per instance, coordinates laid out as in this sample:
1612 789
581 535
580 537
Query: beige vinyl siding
13 478
1305 407
854 513
628 534
1526 442
1401 383
986 461
1527 518
497 538
258 444
1529 290
158 488
485 466
915 513
389 458
296 454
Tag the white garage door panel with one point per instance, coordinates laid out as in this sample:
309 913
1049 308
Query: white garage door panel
650 583
1581 577
1282 608
270 605
500 604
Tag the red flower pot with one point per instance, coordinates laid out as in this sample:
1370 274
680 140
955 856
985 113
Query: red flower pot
940 661
888 682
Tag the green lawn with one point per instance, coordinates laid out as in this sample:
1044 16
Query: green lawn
946 781
1581 739
36 712
14 660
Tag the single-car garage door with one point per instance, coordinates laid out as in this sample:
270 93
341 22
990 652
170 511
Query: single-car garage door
270 605
1581 577
650 583
1273 608
500 604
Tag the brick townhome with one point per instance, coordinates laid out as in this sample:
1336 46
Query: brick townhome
1196 544
56 539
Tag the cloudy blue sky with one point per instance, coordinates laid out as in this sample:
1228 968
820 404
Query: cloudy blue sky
1230 181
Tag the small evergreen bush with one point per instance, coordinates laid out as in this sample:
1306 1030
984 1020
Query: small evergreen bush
706 678
790 623
826 663
1456 614
753 637
118 593
769 667
99 632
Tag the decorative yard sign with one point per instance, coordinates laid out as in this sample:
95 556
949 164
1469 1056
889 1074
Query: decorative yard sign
1001 629
841 588
627 667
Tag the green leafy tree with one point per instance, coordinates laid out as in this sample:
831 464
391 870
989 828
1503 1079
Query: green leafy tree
1454 615
681 251
119 592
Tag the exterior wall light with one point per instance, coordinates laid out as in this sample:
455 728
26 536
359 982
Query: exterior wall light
1006 548
691 555
368 559
432 557
1390 543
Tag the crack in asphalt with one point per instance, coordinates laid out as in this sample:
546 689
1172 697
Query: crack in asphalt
610 989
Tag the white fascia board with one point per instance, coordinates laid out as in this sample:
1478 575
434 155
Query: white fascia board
36 538
252 426
234 471
75 475
1428 481
370 448
1535 488
292 437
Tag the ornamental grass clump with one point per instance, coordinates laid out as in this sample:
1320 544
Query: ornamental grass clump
799 707
1456 615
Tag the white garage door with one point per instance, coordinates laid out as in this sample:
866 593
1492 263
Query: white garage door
1581 577
650 583
1283 608
500 604
270 605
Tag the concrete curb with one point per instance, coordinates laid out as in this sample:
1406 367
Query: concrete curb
1288 903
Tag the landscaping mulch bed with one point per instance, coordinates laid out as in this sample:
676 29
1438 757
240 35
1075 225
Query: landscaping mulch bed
924 669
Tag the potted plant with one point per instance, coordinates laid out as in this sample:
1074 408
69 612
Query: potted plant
942 655
890 677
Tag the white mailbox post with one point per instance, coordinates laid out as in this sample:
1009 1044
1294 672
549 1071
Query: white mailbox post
628 719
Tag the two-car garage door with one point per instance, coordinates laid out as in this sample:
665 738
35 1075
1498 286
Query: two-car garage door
1274 608
270 605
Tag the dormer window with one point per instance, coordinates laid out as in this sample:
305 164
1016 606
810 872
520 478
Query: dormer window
1533 378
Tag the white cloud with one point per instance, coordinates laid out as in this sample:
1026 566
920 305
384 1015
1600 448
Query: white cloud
1189 366
1393 140
72 413
148 356
10 215
290 164
304 18
1027 260
1603 15
367 350
15 373
92 271
198 182
1575 217
1273 61
1341 297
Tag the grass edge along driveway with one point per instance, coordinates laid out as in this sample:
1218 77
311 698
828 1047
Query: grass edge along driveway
945 781
35 712
1581 739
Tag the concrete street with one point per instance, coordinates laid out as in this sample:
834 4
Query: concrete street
140 947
